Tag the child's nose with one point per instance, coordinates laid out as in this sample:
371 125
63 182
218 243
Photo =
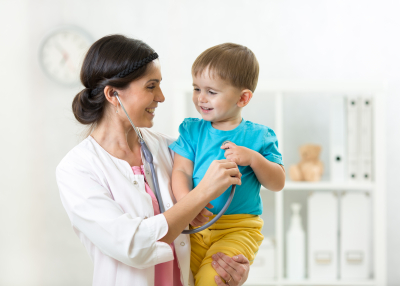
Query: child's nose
202 97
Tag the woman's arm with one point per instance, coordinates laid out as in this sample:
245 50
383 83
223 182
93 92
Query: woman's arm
219 176
100 219
135 241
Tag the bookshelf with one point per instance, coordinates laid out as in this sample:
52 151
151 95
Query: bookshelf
275 95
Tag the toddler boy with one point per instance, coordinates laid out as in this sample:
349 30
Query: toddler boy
224 79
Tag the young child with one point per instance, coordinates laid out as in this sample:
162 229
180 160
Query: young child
224 79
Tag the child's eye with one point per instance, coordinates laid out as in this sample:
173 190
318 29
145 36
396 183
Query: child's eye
212 92
196 89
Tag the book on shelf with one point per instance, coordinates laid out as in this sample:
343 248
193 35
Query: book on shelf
365 130
337 138
352 138
359 138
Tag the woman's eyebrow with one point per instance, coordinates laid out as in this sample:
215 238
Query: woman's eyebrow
154 79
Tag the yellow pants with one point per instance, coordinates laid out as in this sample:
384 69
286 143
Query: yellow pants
231 234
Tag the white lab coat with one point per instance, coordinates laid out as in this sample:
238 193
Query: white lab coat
113 215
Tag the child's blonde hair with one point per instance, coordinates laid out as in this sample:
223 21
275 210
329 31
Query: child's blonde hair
232 62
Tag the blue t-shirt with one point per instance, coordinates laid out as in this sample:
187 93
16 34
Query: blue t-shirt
200 143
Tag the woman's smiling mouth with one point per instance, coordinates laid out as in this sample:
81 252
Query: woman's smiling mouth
150 110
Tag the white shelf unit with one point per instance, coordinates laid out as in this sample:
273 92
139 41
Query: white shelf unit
317 283
376 188
328 186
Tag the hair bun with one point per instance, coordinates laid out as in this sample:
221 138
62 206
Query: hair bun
87 108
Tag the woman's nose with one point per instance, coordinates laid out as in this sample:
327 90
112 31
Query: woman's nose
159 96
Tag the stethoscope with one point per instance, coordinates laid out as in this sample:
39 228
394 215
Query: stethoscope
149 159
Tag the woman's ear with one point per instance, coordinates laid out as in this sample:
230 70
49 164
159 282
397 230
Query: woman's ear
109 94
245 97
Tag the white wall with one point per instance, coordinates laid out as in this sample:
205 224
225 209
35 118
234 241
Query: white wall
311 39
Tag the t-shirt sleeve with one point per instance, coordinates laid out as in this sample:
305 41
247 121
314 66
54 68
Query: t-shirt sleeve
184 146
270 149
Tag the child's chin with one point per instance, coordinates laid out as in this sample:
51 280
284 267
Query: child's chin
205 118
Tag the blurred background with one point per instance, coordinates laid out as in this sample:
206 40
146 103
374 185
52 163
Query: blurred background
335 49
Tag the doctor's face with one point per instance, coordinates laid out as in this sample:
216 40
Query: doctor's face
142 96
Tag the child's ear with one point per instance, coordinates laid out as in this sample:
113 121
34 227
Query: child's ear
245 97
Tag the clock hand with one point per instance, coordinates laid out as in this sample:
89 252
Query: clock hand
62 52
64 58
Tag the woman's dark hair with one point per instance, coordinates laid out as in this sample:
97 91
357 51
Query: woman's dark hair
104 61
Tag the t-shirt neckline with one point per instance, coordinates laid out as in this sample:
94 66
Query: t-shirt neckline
225 132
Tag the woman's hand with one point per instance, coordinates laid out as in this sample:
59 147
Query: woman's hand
220 175
202 217
233 270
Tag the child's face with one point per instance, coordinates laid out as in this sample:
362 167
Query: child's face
215 99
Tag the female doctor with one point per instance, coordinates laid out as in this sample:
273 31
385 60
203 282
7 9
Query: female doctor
106 187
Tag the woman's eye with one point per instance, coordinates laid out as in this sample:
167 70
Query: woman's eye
151 87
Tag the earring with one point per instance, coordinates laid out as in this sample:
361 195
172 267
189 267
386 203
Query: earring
116 111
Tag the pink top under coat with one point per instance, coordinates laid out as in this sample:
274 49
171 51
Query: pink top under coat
168 273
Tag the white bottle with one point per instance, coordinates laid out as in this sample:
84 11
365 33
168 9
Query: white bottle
295 247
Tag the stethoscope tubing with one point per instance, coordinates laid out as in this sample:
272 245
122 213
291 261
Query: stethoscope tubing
149 159
217 217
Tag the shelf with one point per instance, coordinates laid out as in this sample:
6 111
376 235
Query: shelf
327 186
316 283
330 283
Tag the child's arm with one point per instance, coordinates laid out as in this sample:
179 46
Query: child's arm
182 184
181 176
271 175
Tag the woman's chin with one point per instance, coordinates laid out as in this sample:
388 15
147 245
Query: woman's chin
149 124
145 124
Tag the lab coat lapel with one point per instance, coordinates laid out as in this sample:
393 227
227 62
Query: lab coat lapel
154 151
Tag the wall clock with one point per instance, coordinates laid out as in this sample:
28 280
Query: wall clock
61 54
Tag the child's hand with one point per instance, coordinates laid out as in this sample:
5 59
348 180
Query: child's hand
242 156
202 217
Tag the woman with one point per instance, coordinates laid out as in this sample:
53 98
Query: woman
106 188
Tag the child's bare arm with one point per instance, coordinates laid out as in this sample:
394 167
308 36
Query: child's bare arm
182 176
271 175
182 184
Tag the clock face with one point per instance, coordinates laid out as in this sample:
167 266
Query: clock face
62 53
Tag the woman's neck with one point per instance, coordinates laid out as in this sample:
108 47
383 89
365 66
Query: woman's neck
118 140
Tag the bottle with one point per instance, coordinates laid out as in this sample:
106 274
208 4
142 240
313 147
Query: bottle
295 246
